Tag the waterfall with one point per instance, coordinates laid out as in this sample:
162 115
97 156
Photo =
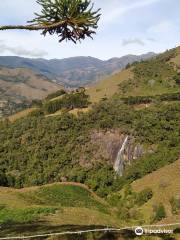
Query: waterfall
119 162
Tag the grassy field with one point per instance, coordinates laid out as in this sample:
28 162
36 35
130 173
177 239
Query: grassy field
63 196
54 207
165 184
176 60
66 203
21 114
75 111
109 86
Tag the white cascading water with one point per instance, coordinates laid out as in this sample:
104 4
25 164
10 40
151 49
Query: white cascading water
119 162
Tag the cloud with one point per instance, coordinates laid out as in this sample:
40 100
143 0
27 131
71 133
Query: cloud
162 27
150 39
129 41
20 51
120 9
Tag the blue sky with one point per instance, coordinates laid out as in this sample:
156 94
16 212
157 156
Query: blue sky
126 27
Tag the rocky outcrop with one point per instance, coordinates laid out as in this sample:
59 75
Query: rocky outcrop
113 148
128 152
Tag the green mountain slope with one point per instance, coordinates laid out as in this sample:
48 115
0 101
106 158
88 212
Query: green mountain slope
156 76
137 125
165 186
56 205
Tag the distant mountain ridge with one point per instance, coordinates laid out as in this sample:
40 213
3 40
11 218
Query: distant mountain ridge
75 71
19 86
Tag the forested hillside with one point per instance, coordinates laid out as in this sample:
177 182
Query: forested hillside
23 143
159 75
44 147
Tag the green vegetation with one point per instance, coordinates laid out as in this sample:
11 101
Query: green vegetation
164 184
10 216
153 77
177 78
56 94
144 196
63 196
68 101
175 205
132 100
127 202
53 201
43 148
159 212
3 179
38 149
152 162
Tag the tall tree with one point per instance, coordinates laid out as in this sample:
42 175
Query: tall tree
72 20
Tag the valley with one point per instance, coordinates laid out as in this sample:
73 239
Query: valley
89 120
24 80
96 156
18 87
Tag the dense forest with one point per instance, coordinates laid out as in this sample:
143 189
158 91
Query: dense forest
38 149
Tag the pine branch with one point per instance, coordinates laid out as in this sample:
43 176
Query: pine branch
72 20
32 27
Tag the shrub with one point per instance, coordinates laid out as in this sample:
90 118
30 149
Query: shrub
36 103
2 206
36 113
160 212
115 199
144 196
177 78
68 101
3 179
124 213
137 100
175 205
56 94
127 190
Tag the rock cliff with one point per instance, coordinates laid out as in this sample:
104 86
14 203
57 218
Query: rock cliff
112 147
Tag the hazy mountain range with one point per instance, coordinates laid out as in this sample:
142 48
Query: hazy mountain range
75 71
24 79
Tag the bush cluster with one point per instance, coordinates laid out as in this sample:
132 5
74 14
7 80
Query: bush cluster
67 101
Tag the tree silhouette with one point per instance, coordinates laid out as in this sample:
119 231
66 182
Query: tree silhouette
72 20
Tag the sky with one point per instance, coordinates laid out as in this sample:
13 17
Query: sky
126 27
